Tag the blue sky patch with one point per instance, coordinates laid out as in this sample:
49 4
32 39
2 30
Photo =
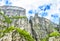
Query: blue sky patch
30 11
44 7
47 7
44 14
54 15
41 7
7 2
0 0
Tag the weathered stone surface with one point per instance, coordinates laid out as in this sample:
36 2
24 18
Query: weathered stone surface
40 27
54 39
7 37
37 26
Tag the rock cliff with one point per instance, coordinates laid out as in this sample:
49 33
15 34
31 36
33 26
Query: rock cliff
38 27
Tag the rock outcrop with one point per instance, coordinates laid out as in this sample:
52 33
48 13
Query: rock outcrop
54 39
37 26
41 27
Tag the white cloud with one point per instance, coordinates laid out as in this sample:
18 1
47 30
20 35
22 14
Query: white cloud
33 4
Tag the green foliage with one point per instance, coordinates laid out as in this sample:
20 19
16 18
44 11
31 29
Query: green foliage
1 13
8 20
45 39
54 34
23 33
18 17
7 30
26 35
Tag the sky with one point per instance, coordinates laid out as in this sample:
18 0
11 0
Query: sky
49 9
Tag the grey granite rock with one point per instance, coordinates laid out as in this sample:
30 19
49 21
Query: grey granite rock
37 26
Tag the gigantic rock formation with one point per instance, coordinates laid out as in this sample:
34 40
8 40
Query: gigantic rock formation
41 27
37 26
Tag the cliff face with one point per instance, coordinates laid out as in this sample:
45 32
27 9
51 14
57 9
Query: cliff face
38 27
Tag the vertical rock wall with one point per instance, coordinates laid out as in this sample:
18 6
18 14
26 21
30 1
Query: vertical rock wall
37 26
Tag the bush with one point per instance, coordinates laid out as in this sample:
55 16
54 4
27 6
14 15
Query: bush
56 33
